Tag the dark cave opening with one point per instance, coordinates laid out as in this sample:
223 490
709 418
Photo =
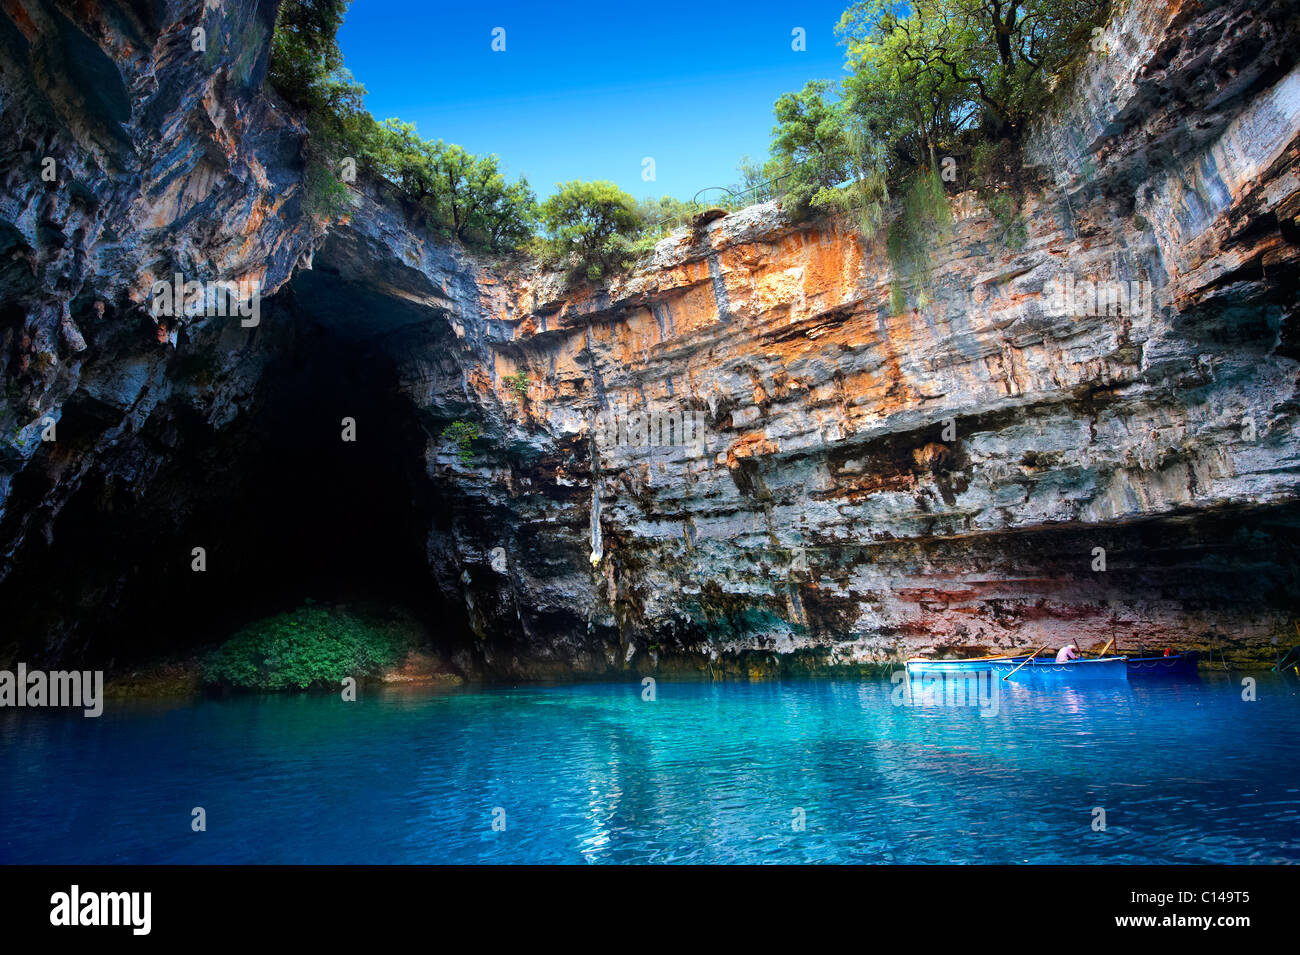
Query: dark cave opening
332 500
286 508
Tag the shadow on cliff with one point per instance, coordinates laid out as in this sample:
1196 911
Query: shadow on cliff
319 491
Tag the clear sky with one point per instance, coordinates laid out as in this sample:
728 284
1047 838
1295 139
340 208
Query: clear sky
586 90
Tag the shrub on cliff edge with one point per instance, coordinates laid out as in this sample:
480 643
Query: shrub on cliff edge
929 84
458 193
591 227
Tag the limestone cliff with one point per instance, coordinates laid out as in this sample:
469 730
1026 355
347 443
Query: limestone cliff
747 453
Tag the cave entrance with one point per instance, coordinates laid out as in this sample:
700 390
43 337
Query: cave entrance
336 506
335 502
318 489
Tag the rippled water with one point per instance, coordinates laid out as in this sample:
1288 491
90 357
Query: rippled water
1185 771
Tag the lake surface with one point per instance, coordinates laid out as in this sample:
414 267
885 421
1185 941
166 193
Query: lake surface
1186 771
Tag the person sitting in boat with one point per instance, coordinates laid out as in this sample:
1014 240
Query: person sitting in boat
1067 653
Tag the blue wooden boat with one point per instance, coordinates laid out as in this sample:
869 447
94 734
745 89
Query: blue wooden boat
922 666
1094 668
1175 664
1091 668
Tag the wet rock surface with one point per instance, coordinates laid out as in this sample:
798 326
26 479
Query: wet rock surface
746 456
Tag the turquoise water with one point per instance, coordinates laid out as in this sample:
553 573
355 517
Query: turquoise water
1185 771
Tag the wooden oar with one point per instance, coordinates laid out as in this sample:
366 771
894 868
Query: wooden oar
1031 656
1106 647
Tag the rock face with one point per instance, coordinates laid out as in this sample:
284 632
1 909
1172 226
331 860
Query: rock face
765 448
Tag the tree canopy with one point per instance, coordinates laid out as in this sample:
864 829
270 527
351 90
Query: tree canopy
811 141
591 225
925 72
926 79
458 193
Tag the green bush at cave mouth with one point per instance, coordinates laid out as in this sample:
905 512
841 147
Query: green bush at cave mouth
311 646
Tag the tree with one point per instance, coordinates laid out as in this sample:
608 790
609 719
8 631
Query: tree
664 215
591 225
810 142
480 207
925 70
934 78
462 434
307 70
304 50
899 99
515 218
926 79
460 194
395 151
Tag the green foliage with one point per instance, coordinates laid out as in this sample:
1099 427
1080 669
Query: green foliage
307 71
463 434
756 181
665 215
810 144
928 79
457 193
995 169
591 227
518 383
924 216
865 197
928 73
311 646
1012 228
305 55
325 195
924 221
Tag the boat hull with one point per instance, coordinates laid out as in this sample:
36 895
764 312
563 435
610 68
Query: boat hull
1178 663
920 667
1104 668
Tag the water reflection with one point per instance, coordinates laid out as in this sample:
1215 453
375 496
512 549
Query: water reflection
1186 770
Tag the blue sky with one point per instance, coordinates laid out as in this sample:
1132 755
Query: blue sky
586 90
